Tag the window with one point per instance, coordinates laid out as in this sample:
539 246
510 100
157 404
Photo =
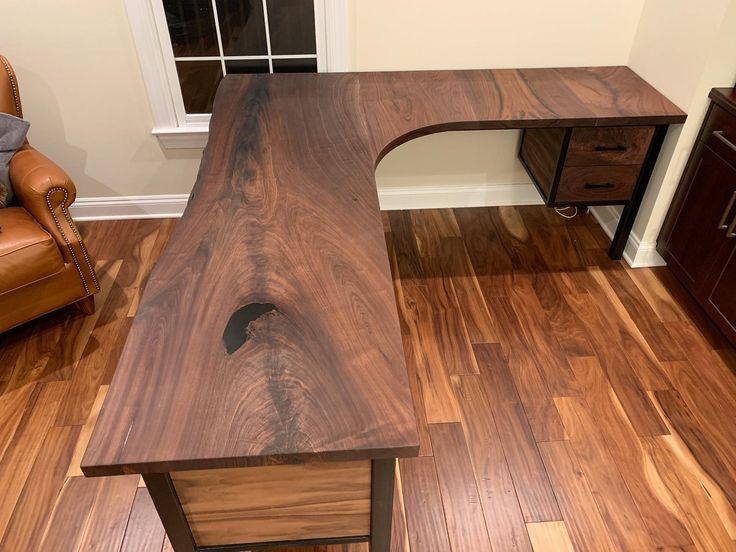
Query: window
187 46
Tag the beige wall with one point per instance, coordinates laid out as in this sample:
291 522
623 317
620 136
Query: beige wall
683 48
83 93
434 34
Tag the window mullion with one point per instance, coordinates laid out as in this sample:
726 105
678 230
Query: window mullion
268 37
219 36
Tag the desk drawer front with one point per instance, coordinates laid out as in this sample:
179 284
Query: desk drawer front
276 503
608 146
597 184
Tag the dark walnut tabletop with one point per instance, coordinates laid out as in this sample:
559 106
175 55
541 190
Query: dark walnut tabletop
268 330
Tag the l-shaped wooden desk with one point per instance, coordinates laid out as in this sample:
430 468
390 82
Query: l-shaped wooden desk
262 392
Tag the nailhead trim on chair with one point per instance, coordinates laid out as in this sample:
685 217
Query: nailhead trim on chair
81 243
63 235
14 86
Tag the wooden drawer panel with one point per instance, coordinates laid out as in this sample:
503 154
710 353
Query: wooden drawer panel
719 133
276 503
608 146
540 152
597 184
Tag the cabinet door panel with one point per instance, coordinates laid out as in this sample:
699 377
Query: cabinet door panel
696 239
723 296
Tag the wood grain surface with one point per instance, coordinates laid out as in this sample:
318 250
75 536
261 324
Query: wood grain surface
680 477
268 329
276 503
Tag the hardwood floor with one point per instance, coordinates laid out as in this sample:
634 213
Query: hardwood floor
565 401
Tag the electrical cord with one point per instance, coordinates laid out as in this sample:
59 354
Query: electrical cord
559 210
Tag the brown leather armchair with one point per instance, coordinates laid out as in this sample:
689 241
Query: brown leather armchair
44 264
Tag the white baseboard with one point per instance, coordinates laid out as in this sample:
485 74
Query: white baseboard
129 207
476 195
393 198
637 253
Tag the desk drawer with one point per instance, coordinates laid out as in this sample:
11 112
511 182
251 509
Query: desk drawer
596 184
719 133
608 146
276 503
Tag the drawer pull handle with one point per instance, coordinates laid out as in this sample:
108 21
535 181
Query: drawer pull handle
719 134
722 223
589 186
610 148
730 232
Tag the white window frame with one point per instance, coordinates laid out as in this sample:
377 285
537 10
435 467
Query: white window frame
171 124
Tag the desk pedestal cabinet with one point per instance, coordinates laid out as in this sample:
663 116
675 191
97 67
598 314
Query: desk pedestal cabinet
272 506
594 166
698 239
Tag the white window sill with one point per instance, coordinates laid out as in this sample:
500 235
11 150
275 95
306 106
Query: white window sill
189 137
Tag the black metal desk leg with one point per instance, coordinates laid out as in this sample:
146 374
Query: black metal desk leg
628 216
164 497
382 499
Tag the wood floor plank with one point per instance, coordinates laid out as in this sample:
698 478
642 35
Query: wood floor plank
78 329
532 486
524 286
629 332
552 240
473 310
432 374
425 518
658 297
677 472
613 358
416 387
549 536
31 362
95 367
564 323
74 469
708 398
463 511
536 397
491 264
430 227
664 346
25 446
109 514
718 464
70 513
13 404
446 258
714 473
44 482
399 532
629 454
583 520
707 362
626 527
498 497
538 334
144 532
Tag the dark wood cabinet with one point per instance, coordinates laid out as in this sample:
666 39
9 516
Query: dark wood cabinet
722 300
698 239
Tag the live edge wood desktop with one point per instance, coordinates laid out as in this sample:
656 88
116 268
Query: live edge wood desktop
262 392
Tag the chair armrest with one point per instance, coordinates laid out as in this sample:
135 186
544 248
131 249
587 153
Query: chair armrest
45 191
34 176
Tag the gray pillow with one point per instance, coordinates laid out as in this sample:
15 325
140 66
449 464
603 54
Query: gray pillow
12 135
